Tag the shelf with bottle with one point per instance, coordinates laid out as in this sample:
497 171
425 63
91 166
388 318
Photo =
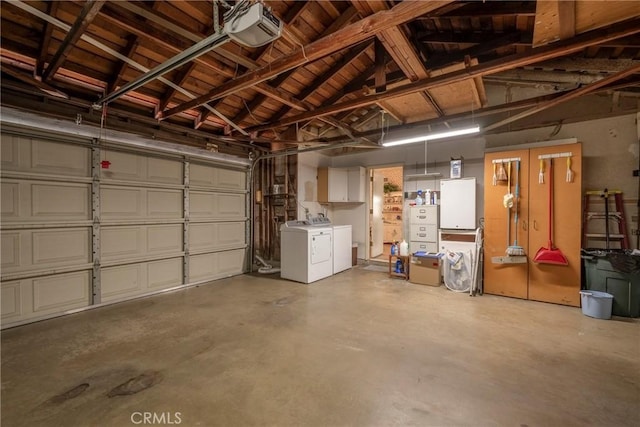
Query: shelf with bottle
393 202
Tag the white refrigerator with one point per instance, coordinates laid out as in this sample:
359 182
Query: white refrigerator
458 204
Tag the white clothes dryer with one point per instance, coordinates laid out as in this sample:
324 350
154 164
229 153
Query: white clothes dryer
306 250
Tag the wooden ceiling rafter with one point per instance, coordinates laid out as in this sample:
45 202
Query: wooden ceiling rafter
491 44
28 78
339 40
293 13
398 46
52 7
558 49
348 57
343 20
176 44
89 11
576 93
128 51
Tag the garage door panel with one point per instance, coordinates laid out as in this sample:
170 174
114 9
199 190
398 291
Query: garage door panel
202 236
60 247
230 205
9 151
10 254
214 236
231 233
119 202
118 242
215 265
165 273
11 300
216 177
33 155
202 175
203 266
140 168
202 205
119 282
58 159
231 262
10 200
46 209
68 202
165 171
231 179
61 292
164 203
124 166
164 238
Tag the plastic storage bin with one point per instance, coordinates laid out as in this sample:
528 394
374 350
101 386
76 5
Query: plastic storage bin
596 304
616 273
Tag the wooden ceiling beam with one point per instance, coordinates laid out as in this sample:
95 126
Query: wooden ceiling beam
87 14
46 39
176 45
260 98
165 22
290 16
132 45
576 93
493 10
397 44
161 39
204 115
183 73
26 77
482 112
344 19
561 48
346 36
491 44
473 38
351 55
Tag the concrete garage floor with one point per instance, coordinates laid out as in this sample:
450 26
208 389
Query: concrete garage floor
355 349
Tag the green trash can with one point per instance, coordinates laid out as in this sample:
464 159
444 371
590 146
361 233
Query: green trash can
616 273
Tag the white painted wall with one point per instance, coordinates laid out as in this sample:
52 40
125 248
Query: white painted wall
308 164
610 149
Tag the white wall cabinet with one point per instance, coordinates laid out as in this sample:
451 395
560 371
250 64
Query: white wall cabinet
341 184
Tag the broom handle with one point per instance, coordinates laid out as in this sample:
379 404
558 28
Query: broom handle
550 201
515 220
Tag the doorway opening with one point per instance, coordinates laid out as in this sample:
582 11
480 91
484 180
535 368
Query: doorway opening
386 206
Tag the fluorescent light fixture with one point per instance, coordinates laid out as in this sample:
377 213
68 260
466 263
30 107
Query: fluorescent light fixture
432 136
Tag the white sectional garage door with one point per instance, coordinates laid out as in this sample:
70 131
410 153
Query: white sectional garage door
76 235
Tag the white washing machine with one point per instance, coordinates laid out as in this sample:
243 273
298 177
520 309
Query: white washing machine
341 248
306 250
458 271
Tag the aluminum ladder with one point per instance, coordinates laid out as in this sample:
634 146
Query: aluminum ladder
616 216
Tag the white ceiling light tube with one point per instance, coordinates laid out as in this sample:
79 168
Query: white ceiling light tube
432 136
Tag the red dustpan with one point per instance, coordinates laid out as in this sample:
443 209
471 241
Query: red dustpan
550 254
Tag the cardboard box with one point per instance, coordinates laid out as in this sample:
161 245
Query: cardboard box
425 270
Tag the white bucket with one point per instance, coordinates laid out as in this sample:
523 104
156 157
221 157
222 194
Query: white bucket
596 304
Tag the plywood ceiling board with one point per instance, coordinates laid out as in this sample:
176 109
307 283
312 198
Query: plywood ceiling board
595 14
411 108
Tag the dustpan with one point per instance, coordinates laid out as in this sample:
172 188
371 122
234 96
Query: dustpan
550 254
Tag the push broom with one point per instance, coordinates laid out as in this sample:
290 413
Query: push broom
550 254
515 250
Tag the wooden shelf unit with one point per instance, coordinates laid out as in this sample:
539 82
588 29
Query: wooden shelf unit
405 266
